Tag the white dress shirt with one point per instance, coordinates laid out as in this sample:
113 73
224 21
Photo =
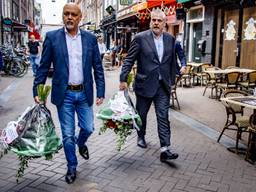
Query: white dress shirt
74 45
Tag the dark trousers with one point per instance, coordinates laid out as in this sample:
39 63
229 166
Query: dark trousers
161 102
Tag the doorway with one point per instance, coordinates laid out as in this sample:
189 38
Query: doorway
195 35
236 44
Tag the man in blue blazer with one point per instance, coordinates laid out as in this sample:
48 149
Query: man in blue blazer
74 53
154 51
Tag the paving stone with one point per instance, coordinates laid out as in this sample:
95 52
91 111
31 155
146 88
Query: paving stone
203 165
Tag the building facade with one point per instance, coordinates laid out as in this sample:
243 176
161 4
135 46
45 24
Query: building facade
15 17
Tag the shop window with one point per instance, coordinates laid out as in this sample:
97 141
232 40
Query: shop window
195 14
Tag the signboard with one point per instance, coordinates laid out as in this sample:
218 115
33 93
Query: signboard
126 2
140 6
110 9
7 25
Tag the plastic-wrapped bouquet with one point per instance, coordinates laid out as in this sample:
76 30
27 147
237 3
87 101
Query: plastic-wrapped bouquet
32 135
119 115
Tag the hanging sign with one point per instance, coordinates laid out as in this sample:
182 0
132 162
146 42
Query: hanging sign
126 2
250 30
231 31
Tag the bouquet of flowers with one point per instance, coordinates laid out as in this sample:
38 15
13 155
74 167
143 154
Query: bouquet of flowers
120 116
32 135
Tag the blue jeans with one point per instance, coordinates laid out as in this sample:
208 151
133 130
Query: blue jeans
75 102
33 59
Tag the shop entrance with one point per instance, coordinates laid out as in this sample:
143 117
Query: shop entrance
236 40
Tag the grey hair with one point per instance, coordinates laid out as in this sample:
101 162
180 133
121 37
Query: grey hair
159 12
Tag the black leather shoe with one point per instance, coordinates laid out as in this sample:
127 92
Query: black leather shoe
83 151
141 142
167 155
70 177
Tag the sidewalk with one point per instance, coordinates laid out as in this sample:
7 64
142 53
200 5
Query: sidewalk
203 164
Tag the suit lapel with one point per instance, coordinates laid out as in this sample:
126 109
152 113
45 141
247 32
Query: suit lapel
64 47
150 40
84 47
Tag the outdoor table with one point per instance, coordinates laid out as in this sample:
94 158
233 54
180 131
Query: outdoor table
248 102
225 71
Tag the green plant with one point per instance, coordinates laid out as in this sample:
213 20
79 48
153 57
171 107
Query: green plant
121 128
43 92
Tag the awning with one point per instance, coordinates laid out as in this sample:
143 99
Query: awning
151 4
18 27
183 1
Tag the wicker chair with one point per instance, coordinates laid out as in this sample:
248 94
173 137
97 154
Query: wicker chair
187 76
211 80
250 82
174 93
231 82
202 75
235 122
251 150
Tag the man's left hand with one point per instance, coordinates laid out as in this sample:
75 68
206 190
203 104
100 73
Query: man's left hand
183 70
99 101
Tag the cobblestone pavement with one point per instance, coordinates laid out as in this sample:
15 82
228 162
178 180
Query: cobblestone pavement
203 164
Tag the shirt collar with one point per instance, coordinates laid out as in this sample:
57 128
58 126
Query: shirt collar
67 33
155 37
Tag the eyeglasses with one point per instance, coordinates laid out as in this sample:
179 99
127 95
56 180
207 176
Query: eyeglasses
157 20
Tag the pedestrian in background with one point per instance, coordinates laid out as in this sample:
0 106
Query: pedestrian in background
102 47
34 50
180 58
154 51
76 58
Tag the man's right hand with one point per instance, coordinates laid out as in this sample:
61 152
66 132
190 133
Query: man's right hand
36 98
123 86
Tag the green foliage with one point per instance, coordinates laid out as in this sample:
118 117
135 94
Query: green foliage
130 79
122 130
24 160
43 92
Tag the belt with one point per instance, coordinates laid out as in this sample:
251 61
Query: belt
79 87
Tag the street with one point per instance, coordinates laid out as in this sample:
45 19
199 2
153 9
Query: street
203 164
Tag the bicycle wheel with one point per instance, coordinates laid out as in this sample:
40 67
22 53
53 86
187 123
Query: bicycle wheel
17 69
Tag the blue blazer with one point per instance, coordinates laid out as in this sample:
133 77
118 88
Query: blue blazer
55 52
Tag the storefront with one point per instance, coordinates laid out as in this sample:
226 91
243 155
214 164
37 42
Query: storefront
143 10
108 26
127 26
13 32
199 30
6 30
236 34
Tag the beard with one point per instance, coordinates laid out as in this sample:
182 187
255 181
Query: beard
156 30
69 25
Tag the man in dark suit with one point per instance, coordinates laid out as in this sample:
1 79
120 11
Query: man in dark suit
74 53
154 51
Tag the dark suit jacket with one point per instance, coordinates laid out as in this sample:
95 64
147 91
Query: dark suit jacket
55 51
144 51
181 56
